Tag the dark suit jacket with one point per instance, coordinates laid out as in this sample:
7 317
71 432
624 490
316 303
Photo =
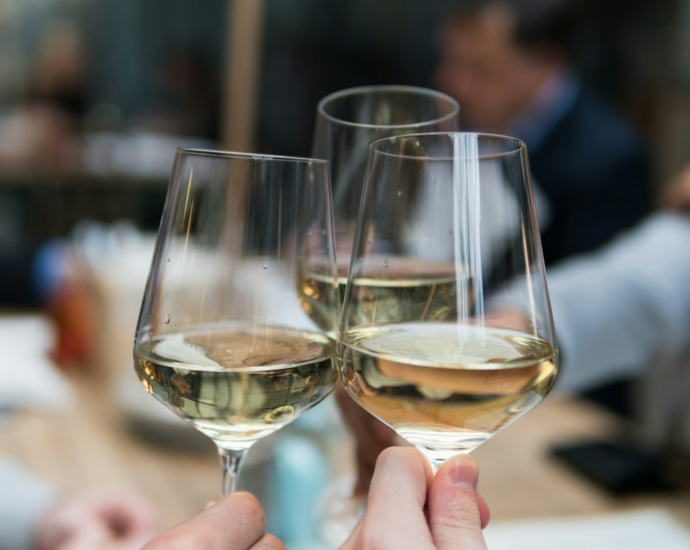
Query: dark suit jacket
594 169
16 279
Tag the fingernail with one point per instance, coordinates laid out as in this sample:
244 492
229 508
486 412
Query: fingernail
463 475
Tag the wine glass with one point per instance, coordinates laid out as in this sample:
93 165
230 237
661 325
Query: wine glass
349 121
223 338
446 332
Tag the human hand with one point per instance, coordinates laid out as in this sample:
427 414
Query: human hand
236 522
113 520
408 507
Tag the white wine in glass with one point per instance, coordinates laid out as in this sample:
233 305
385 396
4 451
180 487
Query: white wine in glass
234 384
446 332
223 339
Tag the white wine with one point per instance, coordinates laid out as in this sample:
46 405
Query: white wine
237 384
389 290
444 387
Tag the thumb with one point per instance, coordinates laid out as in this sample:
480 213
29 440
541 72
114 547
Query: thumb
453 505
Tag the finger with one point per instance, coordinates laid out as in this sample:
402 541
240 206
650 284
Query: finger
395 510
69 524
86 537
268 542
454 513
128 513
237 521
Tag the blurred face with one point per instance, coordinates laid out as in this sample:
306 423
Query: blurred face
61 61
486 72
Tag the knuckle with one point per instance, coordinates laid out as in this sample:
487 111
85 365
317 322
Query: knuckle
462 510
461 515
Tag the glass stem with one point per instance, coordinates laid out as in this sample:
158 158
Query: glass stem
231 462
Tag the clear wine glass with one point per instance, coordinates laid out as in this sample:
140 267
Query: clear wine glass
223 338
349 121
446 332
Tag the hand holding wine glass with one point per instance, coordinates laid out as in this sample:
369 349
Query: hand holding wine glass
223 338
407 509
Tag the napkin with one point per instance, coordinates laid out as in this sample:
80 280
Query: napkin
636 530
28 379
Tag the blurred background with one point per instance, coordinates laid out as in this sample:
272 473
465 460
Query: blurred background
95 96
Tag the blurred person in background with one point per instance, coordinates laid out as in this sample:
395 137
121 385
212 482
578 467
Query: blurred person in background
43 133
34 516
59 76
189 103
43 136
506 63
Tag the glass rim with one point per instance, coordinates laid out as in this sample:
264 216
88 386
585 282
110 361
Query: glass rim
395 88
520 146
217 153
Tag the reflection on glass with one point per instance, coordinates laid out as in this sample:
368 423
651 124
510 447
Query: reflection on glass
349 121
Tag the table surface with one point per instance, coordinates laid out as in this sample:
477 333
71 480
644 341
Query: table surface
90 446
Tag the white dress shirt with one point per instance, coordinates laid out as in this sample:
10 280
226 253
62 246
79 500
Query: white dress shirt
625 312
